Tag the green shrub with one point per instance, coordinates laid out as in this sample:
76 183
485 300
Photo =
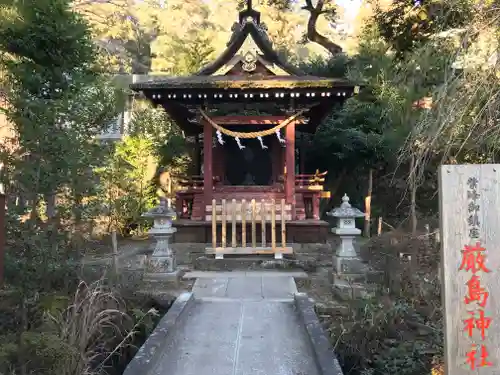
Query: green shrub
387 338
400 331
44 352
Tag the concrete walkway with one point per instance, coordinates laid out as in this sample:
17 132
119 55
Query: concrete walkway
240 326
226 286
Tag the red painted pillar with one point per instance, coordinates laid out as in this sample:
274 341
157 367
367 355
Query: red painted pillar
290 166
315 201
208 181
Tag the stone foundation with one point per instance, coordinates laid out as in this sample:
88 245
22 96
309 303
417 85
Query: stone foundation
299 231
190 255
313 254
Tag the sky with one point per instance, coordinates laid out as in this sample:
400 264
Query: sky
351 8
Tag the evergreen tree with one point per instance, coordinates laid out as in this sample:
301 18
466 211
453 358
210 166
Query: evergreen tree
57 101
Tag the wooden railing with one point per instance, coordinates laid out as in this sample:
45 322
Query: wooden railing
310 181
185 197
240 214
192 183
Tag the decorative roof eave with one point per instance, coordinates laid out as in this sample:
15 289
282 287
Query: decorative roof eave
240 33
224 69
243 83
183 112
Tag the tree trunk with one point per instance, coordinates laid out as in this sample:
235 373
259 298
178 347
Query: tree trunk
413 196
34 208
50 200
368 203
312 33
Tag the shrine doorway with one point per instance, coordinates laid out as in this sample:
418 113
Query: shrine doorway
250 166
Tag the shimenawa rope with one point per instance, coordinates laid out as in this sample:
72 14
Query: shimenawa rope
250 135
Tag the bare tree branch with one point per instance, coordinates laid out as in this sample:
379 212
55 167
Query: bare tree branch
312 33
81 3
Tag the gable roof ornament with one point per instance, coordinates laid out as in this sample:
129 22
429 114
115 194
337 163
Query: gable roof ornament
249 14
249 35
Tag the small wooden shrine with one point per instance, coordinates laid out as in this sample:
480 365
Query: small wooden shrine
246 107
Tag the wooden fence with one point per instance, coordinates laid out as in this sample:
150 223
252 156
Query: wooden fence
243 214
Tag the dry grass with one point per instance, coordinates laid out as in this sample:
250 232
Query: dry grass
94 328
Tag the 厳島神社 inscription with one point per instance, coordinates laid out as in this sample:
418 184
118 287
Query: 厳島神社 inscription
474 261
470 226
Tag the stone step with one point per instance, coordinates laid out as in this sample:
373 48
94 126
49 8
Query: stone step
242 263
256 251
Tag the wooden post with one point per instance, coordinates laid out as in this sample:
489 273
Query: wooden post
283 224
214 224
263 214
273 224
223 224
290 166
254 218
243 223
208 182
114 244
469 201
233 223
368 204
379 226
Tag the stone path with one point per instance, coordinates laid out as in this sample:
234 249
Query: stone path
240 325
257 286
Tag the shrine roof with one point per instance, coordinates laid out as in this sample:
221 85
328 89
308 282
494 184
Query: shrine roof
243 83
250 66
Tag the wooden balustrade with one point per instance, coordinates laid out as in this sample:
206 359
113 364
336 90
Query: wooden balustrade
238 214
310 181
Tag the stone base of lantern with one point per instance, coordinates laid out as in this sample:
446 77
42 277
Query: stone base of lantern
348 290
348 264
164 279
352 279
161 267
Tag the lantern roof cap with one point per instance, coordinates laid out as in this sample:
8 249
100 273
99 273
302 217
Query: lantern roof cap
163 210
346 210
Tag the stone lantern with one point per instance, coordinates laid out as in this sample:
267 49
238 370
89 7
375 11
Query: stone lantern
162 264
346 229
